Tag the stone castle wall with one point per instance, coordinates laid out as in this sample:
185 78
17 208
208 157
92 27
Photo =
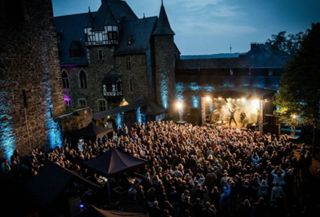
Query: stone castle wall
165 56
97 69
31 92
137 73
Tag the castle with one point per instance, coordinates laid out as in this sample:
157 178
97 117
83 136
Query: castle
111 55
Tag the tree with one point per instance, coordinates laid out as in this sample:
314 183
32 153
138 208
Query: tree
288 44
299 91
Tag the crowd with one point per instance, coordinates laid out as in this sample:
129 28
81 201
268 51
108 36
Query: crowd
197 170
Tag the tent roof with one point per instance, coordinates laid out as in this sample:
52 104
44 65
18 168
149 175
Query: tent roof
152 108
93 211
92 131
49 184
113 161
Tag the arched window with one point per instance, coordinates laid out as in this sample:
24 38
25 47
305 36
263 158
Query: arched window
83 79
65 80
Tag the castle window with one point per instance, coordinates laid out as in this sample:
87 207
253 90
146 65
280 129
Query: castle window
67 102
102 105
113 36
24 99
128 61
130 40
65 80
131 85
83 79
82 102
231 72
100 55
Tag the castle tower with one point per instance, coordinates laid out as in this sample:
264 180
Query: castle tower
165 56
31 94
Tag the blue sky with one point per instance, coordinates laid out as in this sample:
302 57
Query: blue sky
211 26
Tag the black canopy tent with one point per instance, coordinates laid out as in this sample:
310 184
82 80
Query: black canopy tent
112 162
90 132
51 183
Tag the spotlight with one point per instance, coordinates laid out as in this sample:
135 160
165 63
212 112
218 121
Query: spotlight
294 116
208 99
243 99
255 104
179 105
219 98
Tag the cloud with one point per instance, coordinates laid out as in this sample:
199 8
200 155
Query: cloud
218 29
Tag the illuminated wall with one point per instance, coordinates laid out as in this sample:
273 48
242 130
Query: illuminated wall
54 129
139 116
195 101
119 120
164 89
7 137
179 91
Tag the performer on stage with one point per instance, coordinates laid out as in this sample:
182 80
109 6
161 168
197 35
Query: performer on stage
232 111
243 117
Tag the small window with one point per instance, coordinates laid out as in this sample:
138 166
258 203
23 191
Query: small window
83 79
67 102
102 105
112 35
130 40
131 85
65 80
128 61
270 73
24 99
82 102
100 55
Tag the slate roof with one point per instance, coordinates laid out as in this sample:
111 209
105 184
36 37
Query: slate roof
259 56
71 28
103 17
120 9
214 63
210 56
111 12
163 25
139 32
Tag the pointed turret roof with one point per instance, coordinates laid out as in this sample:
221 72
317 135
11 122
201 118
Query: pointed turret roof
163 25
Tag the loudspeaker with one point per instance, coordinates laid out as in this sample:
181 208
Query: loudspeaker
271 128
269 119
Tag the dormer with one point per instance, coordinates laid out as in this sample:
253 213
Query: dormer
101 29
109 35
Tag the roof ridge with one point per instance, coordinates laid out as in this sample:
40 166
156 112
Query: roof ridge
70 15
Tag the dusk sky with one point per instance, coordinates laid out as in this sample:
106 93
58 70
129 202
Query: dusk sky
211 26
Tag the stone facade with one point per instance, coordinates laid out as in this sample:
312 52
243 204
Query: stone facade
166 55
31 92
143 61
